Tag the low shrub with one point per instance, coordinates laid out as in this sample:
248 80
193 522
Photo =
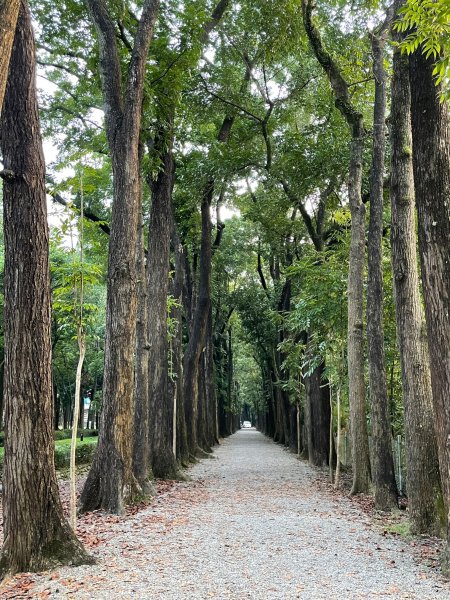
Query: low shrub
84 453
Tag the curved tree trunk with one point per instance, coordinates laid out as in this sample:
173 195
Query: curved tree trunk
431 164
423 480
36 534
383 476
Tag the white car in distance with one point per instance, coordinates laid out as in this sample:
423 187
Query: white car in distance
246 425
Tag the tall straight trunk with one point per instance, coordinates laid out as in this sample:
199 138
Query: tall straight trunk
176 382
141 446
110 482
36 534
202 423
431 164
9 11
355 287
383 475
197 335
211 385
317 416
423 479
158 263
198 329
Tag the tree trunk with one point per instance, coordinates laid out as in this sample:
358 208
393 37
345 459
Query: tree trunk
431 163
9 11
176 381
383 476
355 338
197 335
141 447
161 404
317 417
423 479
211 385
36 534
110 482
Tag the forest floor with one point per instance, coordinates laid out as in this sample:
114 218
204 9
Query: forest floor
254 523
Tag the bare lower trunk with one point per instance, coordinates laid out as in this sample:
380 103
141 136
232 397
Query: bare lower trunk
431 163
36 534
198 333
317 417
141 446
176 380
73 445
423 479
110 483
160 402
383 476
355 337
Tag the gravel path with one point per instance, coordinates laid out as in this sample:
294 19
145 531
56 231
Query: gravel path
252 524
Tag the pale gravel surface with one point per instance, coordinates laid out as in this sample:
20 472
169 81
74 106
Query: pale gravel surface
253 524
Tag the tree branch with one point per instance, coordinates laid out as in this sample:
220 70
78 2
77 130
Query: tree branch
338 83
230 103
216 16
136 71
109 67
316 240
89 215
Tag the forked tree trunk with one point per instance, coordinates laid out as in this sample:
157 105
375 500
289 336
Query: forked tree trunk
423 479
9 11
431 163
36 534
111 483
383 476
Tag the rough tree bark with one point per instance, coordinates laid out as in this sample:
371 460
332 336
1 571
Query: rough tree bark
9 11
431 165
423 481
110 482
36 534
383 477
141 446
355 339
160 402
176 382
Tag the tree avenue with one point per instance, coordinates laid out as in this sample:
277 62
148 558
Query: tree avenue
229 164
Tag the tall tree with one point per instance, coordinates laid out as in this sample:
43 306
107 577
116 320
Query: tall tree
383 476
9 11
110 482
355 349
423 479
160 404
431 163
162 423
36 534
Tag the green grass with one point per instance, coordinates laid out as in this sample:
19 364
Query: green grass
84 452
